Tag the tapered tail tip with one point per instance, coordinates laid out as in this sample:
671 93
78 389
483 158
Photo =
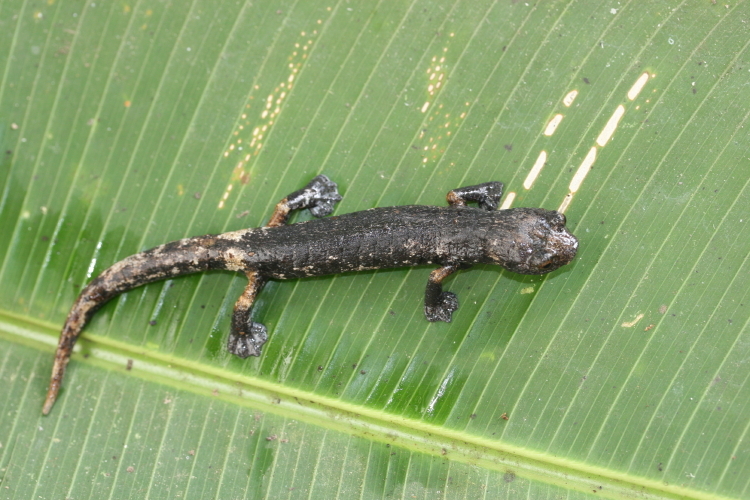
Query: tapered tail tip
47 406
49 402
54 387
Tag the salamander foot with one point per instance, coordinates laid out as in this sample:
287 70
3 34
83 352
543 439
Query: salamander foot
248 344
443 310
487 195
319 196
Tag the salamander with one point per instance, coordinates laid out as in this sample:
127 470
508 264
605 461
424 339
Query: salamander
522 240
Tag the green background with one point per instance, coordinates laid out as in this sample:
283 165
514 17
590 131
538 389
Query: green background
623 375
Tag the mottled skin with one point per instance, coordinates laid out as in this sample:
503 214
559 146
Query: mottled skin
522 240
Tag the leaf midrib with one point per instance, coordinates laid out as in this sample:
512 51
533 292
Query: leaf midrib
356 420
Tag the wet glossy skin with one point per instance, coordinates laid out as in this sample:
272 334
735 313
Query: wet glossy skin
522 240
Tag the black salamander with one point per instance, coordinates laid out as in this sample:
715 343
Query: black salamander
522 240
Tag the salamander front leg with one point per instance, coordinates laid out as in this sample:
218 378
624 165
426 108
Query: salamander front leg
247 338
487 195
319 196
439 305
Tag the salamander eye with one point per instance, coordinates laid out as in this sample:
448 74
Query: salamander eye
558 220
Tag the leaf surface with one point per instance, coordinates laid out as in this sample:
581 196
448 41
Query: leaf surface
127 125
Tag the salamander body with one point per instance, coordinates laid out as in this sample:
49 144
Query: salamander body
522 240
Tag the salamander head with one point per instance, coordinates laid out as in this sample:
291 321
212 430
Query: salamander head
531 241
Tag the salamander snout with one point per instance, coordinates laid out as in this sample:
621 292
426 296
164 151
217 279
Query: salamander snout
538 242
557 246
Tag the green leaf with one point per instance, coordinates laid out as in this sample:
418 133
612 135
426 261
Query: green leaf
127 125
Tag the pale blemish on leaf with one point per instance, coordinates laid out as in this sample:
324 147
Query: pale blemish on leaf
631 324
259 115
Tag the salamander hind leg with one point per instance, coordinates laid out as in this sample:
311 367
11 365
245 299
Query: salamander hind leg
319 196
247 338
439 305
487 195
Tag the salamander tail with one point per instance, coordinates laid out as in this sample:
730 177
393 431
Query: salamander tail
86 304
167 261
